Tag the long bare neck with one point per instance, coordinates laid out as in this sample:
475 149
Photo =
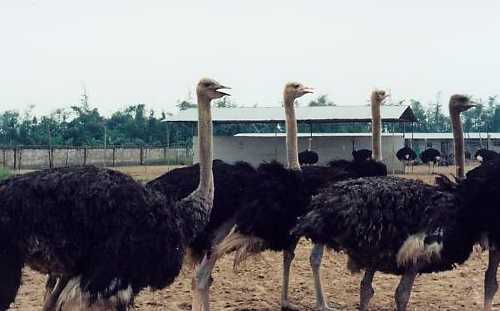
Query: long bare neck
205 151
458 140
291 135
376 131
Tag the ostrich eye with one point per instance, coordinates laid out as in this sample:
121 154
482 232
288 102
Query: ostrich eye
296 85
207 84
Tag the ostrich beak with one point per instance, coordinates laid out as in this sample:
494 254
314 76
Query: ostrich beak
306 90
222 87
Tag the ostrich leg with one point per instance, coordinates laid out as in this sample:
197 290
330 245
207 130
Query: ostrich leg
315 261
288 257
10 274
201 283
366 290
403 291
490 279
54 288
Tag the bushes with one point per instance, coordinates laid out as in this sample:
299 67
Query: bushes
4 173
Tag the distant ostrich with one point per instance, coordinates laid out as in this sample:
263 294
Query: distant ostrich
406 154
395 225
361 155
431 157
100 235
267 225
485 155
308 157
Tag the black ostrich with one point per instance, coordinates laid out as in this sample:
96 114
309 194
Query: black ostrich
406 154
232 184
308 157
485 155
238 187
100 235
266 224
395 225
431 157
361 155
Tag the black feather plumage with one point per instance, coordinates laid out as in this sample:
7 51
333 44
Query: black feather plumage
231 181
98 224
308 157
430 155
486 155
371 218
361 155
283 196
406 154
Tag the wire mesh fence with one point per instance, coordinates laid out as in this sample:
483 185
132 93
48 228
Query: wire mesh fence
40 157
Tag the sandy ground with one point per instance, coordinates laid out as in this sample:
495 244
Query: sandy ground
257 284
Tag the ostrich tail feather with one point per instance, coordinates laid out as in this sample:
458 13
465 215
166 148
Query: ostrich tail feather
243 245
414 250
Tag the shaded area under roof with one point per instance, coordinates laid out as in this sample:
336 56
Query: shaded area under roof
323 114
449 136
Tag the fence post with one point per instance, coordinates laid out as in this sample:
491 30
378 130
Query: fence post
84 155
141 156
50 157
15 157
114 153
20 159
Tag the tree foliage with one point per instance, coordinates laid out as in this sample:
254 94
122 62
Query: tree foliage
82 125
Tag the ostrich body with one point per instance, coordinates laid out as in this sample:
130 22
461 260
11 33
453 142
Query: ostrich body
406 154
394 225
431 157
308 157
267 225
100 235
361 155
485 155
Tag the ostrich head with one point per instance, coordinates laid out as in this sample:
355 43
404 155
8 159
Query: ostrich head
210 89
378 97
294 90
461 103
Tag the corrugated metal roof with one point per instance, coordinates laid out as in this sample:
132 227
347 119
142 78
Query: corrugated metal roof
407 135
390 113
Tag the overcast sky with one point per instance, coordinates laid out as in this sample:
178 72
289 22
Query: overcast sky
153 52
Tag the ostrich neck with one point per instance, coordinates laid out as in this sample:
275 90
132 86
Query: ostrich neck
291 135
206 185
310 144
376 131
458 140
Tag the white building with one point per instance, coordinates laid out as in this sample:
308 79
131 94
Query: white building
258 147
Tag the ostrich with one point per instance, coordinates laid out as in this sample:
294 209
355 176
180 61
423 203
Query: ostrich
238 187
361 155
308 157
485 155
394 225
406 154
232 182
266 224
430 156
100 235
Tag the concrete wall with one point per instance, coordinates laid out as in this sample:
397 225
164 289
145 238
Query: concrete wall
38 158
445 146
258 149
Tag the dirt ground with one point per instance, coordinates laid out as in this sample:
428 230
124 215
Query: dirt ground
257 284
